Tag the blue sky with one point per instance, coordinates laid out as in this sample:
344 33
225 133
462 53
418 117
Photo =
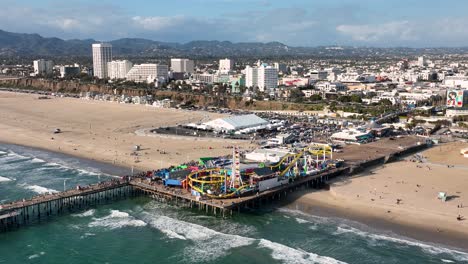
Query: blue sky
413 23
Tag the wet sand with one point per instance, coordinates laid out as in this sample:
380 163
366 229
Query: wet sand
402 197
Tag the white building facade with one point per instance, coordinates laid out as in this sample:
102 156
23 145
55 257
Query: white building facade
226 65
102 54
148 73
267 78
119 69
43 67
281 67
251 76
263 77
182 65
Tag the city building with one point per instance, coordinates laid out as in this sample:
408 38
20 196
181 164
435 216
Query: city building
264 77
251 76
118 69
332 87
226 65
203 78
102 54
182 65
148 73
456 81
281 67
318 75
352 137
267 78
295 81
422 61
69 70
43 67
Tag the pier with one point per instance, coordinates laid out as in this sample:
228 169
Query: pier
19 213
23 212
16 214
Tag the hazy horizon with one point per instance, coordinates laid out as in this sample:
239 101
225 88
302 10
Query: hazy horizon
298 23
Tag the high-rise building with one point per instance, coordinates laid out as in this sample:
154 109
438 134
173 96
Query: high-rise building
422 61
267 78
226 65
251 76
102 54
70 71
43 67
182 65
264 77
281 67
148 73
119 69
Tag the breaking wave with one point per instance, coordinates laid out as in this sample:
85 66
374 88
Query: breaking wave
39 189
5 179
116 219
85 214
431 249
211 244
294 256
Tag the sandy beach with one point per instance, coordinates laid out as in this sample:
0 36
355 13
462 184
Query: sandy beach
402 196
104 131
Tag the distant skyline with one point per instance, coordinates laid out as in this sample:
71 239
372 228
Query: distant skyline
377 23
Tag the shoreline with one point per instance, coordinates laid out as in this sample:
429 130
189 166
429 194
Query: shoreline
29 123
308 202
101 131
322 206
42 153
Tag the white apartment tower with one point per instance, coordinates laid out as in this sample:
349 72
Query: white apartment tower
102 54
421 61
267 78
281 67
251 76
182 65
148 73
226 65
119 69
263 77
43 67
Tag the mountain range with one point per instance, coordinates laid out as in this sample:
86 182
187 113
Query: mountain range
20 44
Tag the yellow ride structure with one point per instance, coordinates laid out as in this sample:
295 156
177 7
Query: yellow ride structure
214 182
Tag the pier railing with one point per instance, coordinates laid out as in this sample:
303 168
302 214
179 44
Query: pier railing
21 212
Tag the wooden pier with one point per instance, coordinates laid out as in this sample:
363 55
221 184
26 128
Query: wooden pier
16 214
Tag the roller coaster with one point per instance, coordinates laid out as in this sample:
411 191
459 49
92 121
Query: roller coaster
221 183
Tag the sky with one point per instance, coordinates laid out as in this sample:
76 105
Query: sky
376 23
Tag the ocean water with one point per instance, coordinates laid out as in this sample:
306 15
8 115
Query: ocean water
141 230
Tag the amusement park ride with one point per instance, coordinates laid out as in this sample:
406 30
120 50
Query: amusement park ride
222 182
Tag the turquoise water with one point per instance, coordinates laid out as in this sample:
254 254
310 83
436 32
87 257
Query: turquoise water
141 230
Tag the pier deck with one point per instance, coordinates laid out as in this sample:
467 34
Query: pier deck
91 189
17 213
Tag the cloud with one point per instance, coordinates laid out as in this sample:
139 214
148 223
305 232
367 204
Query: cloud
306 24
159 23
401 30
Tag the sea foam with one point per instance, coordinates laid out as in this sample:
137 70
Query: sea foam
295 256
39 189
4 179
116 219
431 249
209 244
85 214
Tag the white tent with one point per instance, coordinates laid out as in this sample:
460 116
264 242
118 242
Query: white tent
236 122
